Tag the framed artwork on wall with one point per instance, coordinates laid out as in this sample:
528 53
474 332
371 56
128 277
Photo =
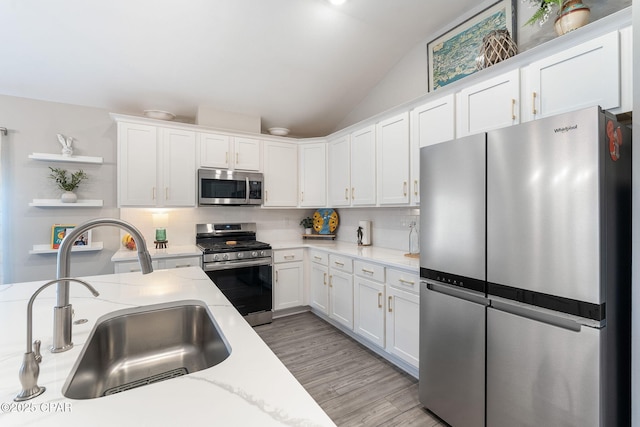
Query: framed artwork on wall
59 231
454 54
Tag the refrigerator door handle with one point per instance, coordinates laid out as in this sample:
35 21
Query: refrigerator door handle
456 293
537 315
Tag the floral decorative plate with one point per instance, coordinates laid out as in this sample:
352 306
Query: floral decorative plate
325 221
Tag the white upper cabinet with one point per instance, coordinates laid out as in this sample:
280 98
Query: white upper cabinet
313 174
280 174
431 123
339 179
363 167
490 104
214 150
247 154
228 152
156 166
393 160
177 180
581 76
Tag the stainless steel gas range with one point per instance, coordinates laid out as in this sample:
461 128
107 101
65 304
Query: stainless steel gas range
240 266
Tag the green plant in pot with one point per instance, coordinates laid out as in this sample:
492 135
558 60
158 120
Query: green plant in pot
571 14
307 224
67 183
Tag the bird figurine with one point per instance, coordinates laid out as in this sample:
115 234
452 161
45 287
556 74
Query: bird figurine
66 142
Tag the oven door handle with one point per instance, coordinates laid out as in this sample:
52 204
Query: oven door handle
232 265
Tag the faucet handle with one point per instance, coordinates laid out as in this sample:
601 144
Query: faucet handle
36 350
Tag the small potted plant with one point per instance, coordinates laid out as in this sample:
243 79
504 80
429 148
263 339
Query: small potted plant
307 224
571 14
67 183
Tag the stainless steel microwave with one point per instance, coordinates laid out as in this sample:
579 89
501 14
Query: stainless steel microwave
226 187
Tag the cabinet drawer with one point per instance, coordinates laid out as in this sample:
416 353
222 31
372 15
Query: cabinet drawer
319 257
341 263
288 255
182 262
370 271
403 280
131 266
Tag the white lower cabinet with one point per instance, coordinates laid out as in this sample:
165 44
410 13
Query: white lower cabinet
288 280
369 310
158 264
403 320
319 281
341 290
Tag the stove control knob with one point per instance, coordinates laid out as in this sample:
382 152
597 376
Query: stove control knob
261 253
215 257
254 254
225 257
240 254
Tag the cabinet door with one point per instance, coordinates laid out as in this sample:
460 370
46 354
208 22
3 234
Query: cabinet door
341 298
177 182
313 174
431 123
182 262
319 287
280 174
491 104
288 285
339 172
137 164
403 324
363 167
578 77
214 151
393 160
247 154
369 310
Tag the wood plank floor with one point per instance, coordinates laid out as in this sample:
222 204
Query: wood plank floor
353 385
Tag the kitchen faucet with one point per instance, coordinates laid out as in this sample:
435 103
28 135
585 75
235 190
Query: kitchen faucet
62 312
30 368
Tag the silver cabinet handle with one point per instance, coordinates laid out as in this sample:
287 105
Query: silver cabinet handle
533 103
389 308
325 279
415 187
513 109
319 258
182 265
153 193
289 257
341 264
276 276
364 270
408 282
379 299
346 194
404 188
331 281
353 193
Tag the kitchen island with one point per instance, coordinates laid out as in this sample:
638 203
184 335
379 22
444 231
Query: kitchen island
250 387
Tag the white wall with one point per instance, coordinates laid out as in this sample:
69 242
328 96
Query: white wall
32 127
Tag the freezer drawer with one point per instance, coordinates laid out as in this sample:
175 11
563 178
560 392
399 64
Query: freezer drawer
452 355
541 374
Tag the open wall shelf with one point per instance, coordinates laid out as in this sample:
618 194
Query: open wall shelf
69 159
46 249
56 203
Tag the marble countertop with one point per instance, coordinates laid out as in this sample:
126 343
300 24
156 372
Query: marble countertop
251 387
388 257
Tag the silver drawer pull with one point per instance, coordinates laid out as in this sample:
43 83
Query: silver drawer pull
408 282
319 258
182 265
289 256
364 270
341 264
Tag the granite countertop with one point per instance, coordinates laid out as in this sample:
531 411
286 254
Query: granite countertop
388 257
250 387
169 252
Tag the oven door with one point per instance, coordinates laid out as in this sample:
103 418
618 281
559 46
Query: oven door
247 285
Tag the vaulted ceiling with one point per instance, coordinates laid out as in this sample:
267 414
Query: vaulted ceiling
300 64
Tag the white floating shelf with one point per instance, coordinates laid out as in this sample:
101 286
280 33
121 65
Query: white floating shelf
70 159
56 203
46 249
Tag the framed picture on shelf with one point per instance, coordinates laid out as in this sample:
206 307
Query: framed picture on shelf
454 55
59 231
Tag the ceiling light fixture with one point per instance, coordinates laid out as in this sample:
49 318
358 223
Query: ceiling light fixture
337 2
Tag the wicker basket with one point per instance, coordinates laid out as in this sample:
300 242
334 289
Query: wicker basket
497 46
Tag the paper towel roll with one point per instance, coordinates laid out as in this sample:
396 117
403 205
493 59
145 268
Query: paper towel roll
364 233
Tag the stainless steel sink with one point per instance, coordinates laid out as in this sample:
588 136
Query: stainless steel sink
139 346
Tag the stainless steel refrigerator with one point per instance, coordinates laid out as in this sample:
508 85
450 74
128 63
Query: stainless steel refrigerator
525 299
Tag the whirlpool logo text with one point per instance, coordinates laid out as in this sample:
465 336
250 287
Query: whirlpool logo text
565 129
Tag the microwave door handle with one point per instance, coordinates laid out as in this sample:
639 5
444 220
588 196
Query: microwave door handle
246 179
